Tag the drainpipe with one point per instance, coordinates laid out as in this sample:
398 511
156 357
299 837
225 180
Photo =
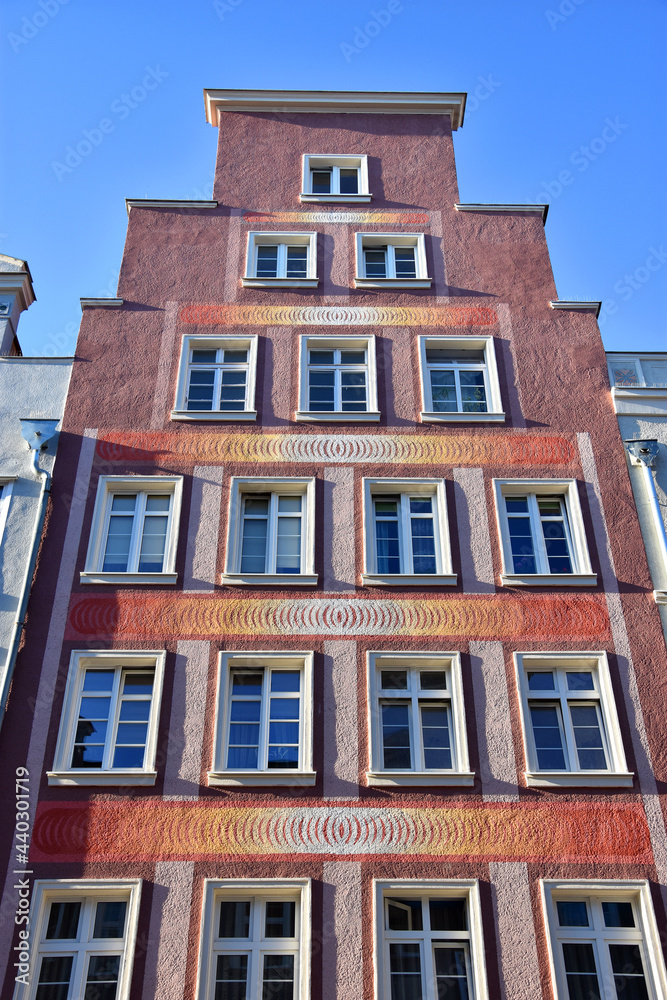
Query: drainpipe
643 453
37 433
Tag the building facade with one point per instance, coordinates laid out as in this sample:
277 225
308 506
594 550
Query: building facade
352 682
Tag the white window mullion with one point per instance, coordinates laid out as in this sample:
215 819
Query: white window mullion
112 724
137 532
416 752
272 535
457 387
263 754
282 260
404 534
538 537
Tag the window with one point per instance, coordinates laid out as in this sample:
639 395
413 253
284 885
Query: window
406 537
255 940
281 259
6 485
429 941
108 730
542 533
416 720
216 379
459 380
337 380
603 941
638 371
264 716
391 259
134 533
82 935
271 532
569 719
335 179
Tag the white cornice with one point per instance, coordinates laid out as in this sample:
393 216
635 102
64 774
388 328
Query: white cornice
528 209
572 306
101 303
334 101
20 283
167 203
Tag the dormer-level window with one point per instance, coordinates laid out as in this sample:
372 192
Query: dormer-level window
335 179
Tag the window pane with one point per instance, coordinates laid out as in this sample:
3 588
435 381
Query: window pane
98 680
455 355
394 680
231 977
267 261
436 737
404 258
297 262
582 980
253 546
136 683
129 756
202 355
396 736
110 919
626 962
289 504
235 356
246 711
242 758
433 680
572 913
473 393
234 919
285 680
376 263
284 708
618 914
582 680
118 541
321 357
102 979
423 539
233 390
588 737
349 183
63 921
54 977
280 919
448 914
321 181
521 542
451 975
405 972
278 977
541 680
353 391
288 553
246 684
356 357
547 735
404 915
200 388
154 538
386 536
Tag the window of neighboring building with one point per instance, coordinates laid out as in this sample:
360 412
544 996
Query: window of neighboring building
338 379
281 259
638 371
570 722
82 937
604 940
263 729
108 729
406 535
417 722
135 530
255 940
271 531
542 533
459 380
216 379
6 485
391 259
429 940
335 179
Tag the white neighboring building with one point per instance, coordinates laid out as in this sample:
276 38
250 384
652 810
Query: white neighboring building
639 390
31 389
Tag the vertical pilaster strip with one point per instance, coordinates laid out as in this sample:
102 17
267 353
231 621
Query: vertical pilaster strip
340 725
233 263
166 955
645 772
277 404
161 391
401 406
203 529
473 532
50 665
342 955
339 555
515 930
440 287
497 762
514 400
182 769
336 263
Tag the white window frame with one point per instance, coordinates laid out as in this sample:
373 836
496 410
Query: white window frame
6 488
494 412
307 239
191 343
88 890
582 575
597 664
260 890
372 414
408 487
80 661
377 774
635 891
241 485
334 162
365 241
255 659
107 487
467 889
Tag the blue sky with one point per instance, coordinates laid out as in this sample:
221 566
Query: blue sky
567 105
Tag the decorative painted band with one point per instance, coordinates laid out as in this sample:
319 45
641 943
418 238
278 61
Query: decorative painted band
152 830
242 315
349 218
205 616
208 447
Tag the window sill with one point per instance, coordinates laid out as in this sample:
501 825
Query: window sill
336 416
269 579
280 282
660 596
430 417
101 777
549 579
579 779
392 282
214 414
236 778
161 579
420 778
408 580
334 199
